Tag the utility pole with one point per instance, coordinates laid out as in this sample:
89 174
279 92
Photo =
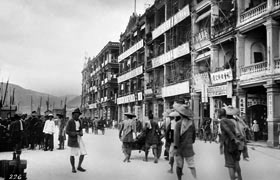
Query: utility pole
135 7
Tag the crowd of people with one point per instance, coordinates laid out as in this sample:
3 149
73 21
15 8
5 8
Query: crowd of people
34 131
178 130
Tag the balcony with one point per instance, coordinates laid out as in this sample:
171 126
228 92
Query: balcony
253 71
277 65
203 4
201 39
253 13
222 26
131 74
131 50
171 22
179 51
176 89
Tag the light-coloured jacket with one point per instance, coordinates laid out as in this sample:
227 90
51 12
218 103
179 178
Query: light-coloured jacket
49 127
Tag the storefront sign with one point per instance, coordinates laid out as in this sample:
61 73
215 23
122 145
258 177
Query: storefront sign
177 89
200 79
223 90
148 91
126 99
242 105
140 96
131 74
131 50
221 76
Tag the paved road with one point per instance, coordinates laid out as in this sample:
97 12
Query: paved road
104 161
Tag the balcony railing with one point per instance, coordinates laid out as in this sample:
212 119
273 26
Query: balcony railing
277 65
254 12
258 67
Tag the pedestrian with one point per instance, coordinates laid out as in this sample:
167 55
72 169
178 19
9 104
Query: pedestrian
153 135
230 142
243 127
32 129
256 129
184 137
62 129
128 127
169 136
74 131
49 130
17 129
164 127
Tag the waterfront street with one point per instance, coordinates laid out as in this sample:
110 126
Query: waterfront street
104 161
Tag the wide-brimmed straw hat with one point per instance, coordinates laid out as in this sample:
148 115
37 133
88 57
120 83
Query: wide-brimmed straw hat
183 109
230 110
174 114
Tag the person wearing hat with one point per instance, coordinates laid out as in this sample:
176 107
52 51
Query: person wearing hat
49 130
230 141
74 131
62 129
169 136
184 137
128 127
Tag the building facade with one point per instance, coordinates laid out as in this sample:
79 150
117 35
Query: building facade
168 66
102 84
131 74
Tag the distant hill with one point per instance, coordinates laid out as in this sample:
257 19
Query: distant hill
74 102
23 99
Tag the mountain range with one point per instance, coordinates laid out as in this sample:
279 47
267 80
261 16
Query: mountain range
25 98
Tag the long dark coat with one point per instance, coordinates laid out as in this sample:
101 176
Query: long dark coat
184 142
72 133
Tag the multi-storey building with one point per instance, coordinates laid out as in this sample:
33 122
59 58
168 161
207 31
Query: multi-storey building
213 56
258 70
168 67
131 60
85 86
102 84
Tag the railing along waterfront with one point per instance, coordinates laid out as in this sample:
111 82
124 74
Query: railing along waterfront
254 68
277 64
251 13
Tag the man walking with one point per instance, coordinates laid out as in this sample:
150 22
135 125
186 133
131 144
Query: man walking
74 131
184 137
128 127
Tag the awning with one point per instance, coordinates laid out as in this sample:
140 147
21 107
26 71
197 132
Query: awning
203 56
202 16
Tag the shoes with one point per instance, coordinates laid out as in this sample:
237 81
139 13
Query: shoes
155 161
74 171
246 159
81 169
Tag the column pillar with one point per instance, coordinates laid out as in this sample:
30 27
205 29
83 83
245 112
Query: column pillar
212 107
195 108
272 34
240 53
273 113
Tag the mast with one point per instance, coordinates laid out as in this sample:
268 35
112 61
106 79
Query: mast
5 93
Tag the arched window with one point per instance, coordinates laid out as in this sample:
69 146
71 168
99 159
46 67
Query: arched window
258 52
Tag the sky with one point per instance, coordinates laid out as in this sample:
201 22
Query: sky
43 43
